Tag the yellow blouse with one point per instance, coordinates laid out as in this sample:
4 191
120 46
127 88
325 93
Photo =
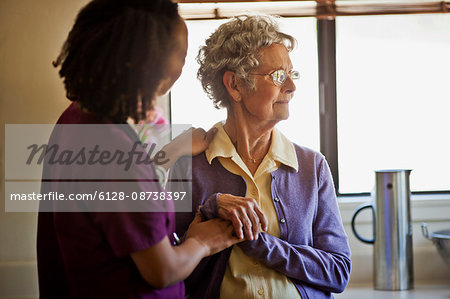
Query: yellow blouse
245 277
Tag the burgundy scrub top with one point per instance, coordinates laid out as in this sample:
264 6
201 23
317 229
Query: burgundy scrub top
87 254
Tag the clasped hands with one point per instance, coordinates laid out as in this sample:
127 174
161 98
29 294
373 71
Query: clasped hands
239 219
244 213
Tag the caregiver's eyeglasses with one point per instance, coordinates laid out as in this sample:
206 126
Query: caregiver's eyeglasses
280 76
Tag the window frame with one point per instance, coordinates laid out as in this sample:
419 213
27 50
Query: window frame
326 35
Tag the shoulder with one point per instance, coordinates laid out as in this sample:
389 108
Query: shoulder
303 151
74 115
187 167
294 153
308 157
197 161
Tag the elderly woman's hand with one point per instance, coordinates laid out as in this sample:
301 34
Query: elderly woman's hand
244 213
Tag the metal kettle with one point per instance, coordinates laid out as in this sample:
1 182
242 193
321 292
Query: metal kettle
392 231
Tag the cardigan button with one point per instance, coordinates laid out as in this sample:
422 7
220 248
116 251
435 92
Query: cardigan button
282 220
276 199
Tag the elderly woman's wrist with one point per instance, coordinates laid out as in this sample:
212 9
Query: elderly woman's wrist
209 209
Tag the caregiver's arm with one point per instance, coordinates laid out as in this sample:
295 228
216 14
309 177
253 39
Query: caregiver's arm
162 264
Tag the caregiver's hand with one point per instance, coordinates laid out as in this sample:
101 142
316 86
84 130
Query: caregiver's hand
214 235
163 264
190 143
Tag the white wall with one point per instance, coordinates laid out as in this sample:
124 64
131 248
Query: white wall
31 34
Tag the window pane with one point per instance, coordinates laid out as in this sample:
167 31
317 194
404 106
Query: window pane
393 99
190 105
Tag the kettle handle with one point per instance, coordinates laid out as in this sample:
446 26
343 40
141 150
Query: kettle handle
425 230
353 224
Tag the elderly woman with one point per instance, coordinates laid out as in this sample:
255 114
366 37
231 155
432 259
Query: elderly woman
278 195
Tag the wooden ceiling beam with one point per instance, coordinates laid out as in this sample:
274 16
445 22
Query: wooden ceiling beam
323 9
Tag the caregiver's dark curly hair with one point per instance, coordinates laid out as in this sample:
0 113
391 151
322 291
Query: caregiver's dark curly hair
114 56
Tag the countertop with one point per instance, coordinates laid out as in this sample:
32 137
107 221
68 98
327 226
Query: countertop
421 291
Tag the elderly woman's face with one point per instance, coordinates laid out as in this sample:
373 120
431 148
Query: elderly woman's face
269 102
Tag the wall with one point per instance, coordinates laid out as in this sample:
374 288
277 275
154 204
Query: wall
31 34
31 92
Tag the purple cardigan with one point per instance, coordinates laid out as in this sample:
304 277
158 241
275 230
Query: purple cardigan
312 250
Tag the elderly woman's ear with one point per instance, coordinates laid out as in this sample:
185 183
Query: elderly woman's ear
231 82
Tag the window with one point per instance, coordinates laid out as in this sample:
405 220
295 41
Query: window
393 102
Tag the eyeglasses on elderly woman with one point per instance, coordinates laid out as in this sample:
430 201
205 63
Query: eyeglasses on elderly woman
280 76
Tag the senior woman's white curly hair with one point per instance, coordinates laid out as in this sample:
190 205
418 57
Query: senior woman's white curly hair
235 46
